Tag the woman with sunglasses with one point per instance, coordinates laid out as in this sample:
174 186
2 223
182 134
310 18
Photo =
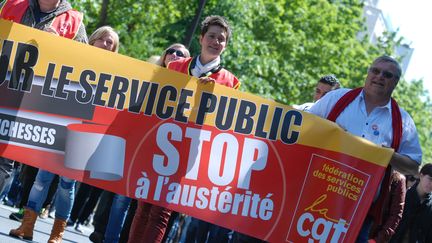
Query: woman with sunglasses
173 53
150 221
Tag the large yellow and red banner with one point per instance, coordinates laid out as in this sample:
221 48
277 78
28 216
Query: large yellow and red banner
221 155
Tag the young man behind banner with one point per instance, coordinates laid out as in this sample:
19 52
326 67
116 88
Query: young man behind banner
214 37
56 17
371 113
215 33
324 85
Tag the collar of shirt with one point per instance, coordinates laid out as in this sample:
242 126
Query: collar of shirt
199 69
38 15
362 98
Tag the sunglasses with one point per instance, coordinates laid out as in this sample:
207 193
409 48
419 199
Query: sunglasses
386 74
177 52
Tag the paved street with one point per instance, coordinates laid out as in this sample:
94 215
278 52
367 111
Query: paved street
42 229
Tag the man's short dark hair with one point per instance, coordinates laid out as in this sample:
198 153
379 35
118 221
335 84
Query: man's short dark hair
426 169
216 20
330 80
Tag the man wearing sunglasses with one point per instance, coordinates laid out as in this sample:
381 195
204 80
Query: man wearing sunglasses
371 113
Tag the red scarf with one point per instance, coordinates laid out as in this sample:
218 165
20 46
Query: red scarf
376 209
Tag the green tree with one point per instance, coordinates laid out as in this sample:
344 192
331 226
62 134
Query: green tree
414 99
145 27
279 48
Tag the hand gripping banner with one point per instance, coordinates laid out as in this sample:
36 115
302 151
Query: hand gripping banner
221 155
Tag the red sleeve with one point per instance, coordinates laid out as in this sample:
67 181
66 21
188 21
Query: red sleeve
236 84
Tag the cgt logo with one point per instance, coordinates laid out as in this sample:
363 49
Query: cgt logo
320 229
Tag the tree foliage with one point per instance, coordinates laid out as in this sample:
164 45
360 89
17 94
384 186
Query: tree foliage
415 100
279 48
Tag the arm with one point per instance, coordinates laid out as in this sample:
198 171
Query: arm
81 35
404 164
408 157
324 105
396 206
205 80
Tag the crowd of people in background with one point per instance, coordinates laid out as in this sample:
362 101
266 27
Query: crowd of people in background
401 210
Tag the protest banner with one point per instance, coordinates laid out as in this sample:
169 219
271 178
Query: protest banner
221 155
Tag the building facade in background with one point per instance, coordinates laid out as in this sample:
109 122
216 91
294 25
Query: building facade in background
377 24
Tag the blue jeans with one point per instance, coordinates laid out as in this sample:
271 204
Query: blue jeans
64 196
185 228
200 231
11 184
119 209
6 167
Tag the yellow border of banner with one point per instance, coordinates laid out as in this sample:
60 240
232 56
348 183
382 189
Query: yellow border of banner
52 49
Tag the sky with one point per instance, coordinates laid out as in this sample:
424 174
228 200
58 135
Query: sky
413 19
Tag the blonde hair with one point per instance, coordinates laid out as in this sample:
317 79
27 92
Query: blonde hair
103 31
161 61
154 59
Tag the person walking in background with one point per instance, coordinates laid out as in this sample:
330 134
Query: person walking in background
416 223
324 85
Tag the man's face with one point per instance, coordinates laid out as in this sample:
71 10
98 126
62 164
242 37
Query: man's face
48 5
105 42
213 42
381 79
320 90
425 183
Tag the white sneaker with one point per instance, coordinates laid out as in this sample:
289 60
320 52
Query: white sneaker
79 228
52 214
